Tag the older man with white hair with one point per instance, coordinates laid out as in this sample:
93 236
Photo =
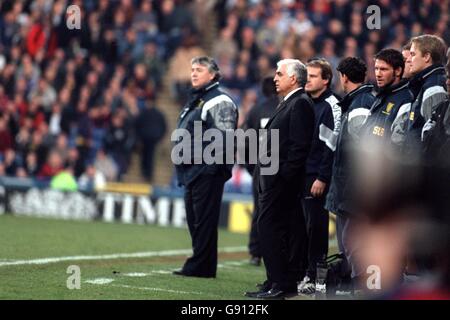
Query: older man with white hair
280 225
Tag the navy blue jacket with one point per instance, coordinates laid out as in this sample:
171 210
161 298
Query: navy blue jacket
429 90
326 131
384 122
355 109
212 109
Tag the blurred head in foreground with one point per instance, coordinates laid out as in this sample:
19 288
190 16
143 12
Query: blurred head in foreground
403 207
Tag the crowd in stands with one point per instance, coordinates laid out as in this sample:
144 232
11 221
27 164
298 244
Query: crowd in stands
253 35
71 98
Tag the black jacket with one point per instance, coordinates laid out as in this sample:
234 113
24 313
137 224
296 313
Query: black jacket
355 108
213 109
326 131
150 125
294 122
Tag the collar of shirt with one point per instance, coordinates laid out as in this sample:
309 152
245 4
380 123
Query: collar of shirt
291 93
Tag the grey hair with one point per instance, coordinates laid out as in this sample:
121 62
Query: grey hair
295 67
210 63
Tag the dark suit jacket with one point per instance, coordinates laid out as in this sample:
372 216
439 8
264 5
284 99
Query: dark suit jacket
294 118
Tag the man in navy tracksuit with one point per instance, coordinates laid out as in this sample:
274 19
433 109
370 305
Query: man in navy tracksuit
392 101
318 166
355 107
208 108
428 86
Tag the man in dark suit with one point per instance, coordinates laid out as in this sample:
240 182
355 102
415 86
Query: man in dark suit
280 224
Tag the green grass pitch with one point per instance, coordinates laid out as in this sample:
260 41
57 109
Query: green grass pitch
35 255
26 239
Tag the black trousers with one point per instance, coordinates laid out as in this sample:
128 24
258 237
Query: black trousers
203 198
147 158
344 225
282 233
316 218
253 245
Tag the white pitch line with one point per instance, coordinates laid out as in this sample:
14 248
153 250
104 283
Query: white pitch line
161 271
100 281
235 263
164 253
151 273
155 289
137 274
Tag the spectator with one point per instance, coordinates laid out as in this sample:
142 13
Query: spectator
6 139
225 47
154 65
44 95
119 141
174 20
74 162
31 165
106 165
52 166
64 181
150 128
11 162
180 66
92 179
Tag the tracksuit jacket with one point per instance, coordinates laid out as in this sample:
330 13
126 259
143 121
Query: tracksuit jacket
327 126
214 110
355 108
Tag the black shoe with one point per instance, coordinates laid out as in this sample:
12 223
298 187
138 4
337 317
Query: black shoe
276 294
255 261
262 287
253 294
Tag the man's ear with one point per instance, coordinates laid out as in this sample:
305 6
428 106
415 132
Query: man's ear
398 72
427 57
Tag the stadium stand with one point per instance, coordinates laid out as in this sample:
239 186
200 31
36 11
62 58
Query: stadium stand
89 86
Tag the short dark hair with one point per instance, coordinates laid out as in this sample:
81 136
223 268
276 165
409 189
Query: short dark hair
325 68
354 68
210 63
268 87
392 57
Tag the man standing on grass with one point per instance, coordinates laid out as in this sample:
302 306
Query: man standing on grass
208 108
340 200
280 223
319 165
